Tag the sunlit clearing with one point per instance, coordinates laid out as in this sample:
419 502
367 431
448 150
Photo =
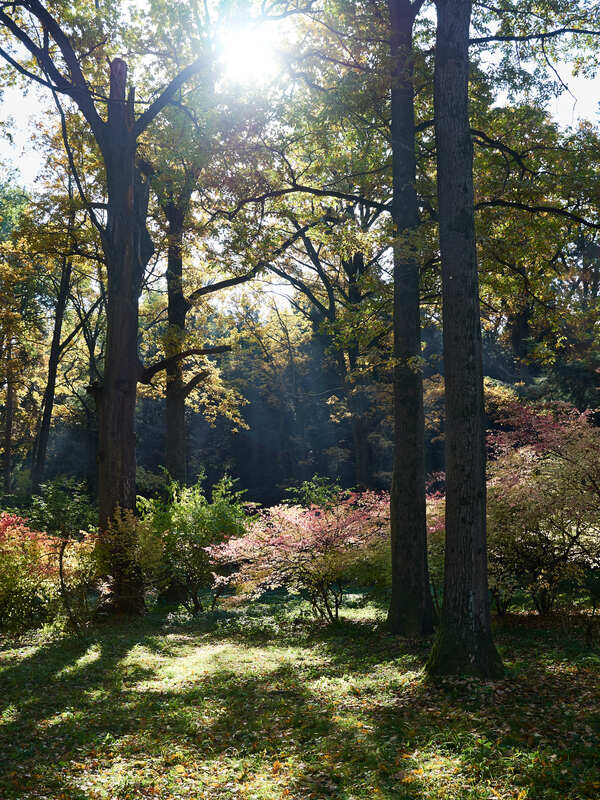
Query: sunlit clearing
248 55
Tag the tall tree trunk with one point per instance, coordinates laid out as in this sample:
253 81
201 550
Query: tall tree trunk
41 444
127 249
464 642
360 422
363 461
411 606
9 419
178 306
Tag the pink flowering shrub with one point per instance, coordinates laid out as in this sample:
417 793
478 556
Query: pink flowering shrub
543 507
317 552
543 503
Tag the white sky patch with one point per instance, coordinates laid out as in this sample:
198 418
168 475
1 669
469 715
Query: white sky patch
580 102
17 151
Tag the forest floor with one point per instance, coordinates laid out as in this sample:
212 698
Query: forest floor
259 704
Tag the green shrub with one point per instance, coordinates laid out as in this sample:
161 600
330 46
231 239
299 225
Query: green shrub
318 491
64 511
187 524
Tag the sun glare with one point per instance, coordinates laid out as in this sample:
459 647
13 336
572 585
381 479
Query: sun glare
249 55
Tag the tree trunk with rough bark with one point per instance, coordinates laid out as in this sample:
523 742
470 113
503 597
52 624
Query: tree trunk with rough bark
178 307
41 444
127 249
411 607
464 642
9 420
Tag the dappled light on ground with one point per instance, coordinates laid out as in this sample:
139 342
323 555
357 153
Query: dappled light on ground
265 707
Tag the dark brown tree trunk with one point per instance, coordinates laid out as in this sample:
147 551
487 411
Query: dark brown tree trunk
464 642
411 607
41 444
127 249
178 306
361 425
9 419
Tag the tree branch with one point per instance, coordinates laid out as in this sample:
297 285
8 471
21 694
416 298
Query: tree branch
165 96
77 87
72 165
189 387
498 145
147 373
82 321
555 210
301 188
534 36
263 264
224 284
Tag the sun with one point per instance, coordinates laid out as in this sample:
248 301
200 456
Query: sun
249 55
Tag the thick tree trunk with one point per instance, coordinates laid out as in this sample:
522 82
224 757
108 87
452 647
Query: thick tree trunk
411 607
127 248
9 419
176 446
464 642
41 444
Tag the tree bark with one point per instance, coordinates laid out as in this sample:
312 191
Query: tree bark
41 444
411 607
355 269
127 249
9 418
464 642
178 307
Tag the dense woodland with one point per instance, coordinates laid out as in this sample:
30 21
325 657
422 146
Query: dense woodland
299 389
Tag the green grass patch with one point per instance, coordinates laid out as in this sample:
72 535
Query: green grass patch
260 704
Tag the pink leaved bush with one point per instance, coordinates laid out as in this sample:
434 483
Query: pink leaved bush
31 584
317 552
543 502
17 540
543 506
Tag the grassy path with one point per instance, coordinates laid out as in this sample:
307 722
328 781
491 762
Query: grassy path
257 706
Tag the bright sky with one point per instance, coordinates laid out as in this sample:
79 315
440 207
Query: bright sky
248 57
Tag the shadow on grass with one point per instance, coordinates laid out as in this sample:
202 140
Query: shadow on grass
100 712
303 713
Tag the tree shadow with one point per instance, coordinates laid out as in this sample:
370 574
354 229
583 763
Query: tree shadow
194 711
76 702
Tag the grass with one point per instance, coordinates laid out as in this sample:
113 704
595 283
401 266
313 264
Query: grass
259 704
